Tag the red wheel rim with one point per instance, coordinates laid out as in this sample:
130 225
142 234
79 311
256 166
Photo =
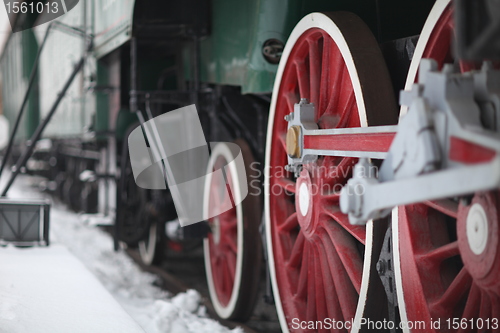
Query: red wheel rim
319 266
438 45
435 282
223 241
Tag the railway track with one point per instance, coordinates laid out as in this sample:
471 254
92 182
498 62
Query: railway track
176 276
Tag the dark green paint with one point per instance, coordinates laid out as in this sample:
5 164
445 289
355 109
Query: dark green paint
16 66
232 53
101 124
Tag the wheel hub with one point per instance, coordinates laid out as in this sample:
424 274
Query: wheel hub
478 239
477 229
304 199
304 203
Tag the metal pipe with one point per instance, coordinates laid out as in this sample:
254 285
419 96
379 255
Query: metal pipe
133 103
25 101
133 75
64 28
38 133
196 69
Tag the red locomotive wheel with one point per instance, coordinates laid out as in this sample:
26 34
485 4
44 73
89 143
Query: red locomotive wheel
320 264
446 252
152 247
233 249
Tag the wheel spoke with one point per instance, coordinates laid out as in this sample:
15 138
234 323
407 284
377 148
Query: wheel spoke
325 74
315 69
230 241
436 256
455 291
330 198
485 309
290 223
337 66
231 264
311 287
319 292
495 309
303 78
341 171
218 281
343 91
444 206
287 184
342 219
345 290
228 277
302 283
297 250
282 139
471 308
344 109
466 66
291 100
347 252
332 299
228 221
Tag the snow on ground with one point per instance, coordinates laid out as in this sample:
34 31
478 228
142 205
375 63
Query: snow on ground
48 290
154 309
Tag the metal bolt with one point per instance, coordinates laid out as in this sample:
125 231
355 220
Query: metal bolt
381 266
304 101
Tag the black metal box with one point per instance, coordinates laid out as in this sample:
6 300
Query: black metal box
24 223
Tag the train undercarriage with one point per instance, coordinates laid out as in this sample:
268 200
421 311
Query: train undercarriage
361 211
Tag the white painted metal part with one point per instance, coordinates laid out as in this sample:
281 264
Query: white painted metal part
477 229
239 190
304 199
448 100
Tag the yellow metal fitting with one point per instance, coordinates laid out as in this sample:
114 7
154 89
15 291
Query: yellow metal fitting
293 142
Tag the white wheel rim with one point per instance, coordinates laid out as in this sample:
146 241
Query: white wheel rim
314 20
221 149
147 251
434 15
397 268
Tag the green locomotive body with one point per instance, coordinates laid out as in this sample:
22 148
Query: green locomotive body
232 37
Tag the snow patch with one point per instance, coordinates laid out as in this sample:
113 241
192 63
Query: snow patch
155 310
